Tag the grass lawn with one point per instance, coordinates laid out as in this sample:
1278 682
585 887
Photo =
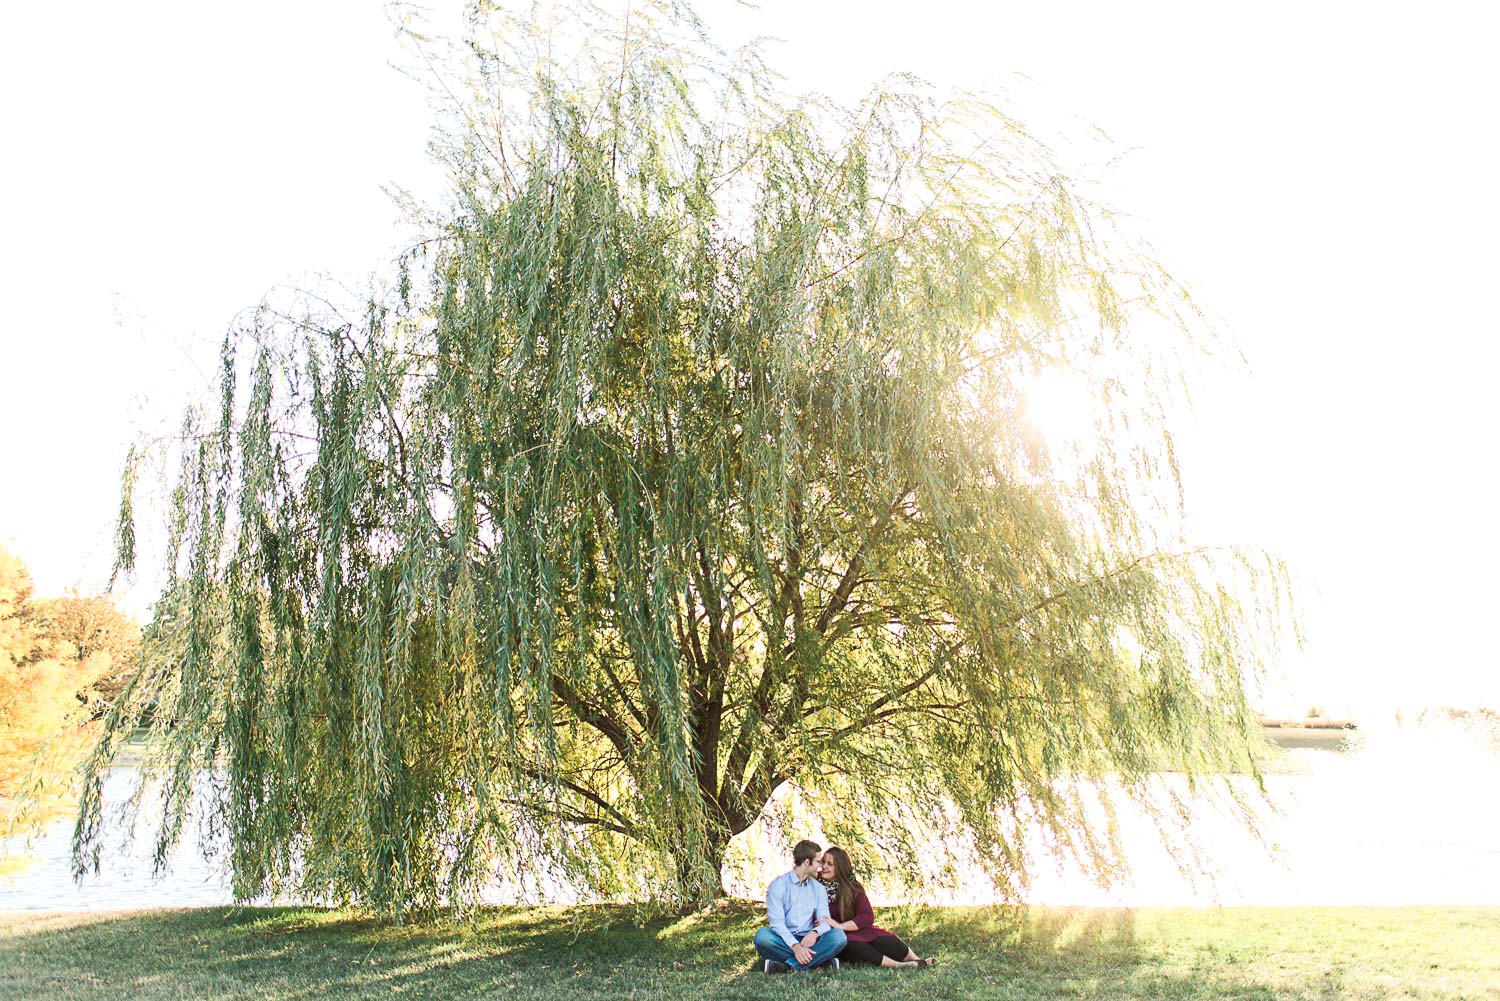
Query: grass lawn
602 952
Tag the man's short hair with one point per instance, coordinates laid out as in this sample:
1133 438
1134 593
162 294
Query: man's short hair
805 851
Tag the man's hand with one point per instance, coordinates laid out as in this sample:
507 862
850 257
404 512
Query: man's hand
802 953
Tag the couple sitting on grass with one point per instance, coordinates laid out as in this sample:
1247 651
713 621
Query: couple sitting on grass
819 914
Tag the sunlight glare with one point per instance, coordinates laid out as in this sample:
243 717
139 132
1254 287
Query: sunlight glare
1059 406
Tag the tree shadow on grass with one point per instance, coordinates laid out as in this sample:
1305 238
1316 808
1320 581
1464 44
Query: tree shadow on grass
307 953
609 952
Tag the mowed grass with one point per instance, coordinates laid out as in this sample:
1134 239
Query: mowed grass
605 952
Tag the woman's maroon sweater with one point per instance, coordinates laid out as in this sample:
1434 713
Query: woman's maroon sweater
864 920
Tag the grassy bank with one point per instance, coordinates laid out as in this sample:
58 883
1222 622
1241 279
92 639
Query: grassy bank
599 952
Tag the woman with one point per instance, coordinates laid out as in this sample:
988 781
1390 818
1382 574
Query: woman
851 911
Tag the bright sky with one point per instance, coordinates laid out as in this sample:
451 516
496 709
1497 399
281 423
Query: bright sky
1321 175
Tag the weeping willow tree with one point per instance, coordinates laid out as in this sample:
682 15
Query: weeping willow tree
686 458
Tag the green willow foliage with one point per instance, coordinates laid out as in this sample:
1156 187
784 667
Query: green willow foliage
686 459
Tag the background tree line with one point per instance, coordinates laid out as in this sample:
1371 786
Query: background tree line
62 662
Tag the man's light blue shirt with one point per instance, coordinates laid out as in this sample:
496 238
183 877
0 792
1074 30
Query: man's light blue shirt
796 907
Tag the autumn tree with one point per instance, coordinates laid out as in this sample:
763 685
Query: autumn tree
685 458
92 624
44 687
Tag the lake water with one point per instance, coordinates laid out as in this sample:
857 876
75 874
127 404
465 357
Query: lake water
1411 818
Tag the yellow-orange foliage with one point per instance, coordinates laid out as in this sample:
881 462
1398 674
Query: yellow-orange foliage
43 720
92 624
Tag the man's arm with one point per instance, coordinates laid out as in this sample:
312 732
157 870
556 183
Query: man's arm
776 911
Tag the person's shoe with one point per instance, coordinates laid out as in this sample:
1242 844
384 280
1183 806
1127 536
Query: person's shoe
776 966
832 966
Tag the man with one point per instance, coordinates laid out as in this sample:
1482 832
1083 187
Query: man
801 933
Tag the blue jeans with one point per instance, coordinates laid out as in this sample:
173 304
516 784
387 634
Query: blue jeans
828 945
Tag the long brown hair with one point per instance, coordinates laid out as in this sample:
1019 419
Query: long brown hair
846 886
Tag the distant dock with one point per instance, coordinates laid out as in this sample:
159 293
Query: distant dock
1322 734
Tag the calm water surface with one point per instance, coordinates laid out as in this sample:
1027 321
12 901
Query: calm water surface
125 878
1402 821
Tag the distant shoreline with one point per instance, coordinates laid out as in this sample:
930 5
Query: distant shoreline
1308 724
1332 736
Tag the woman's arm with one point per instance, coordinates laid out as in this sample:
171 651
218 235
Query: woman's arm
846 925
864 914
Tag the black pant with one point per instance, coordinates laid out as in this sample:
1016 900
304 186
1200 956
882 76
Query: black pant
870 953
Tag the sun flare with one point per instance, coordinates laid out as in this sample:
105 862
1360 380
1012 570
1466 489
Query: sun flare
1059 405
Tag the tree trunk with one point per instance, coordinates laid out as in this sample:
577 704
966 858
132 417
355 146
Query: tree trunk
700 880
